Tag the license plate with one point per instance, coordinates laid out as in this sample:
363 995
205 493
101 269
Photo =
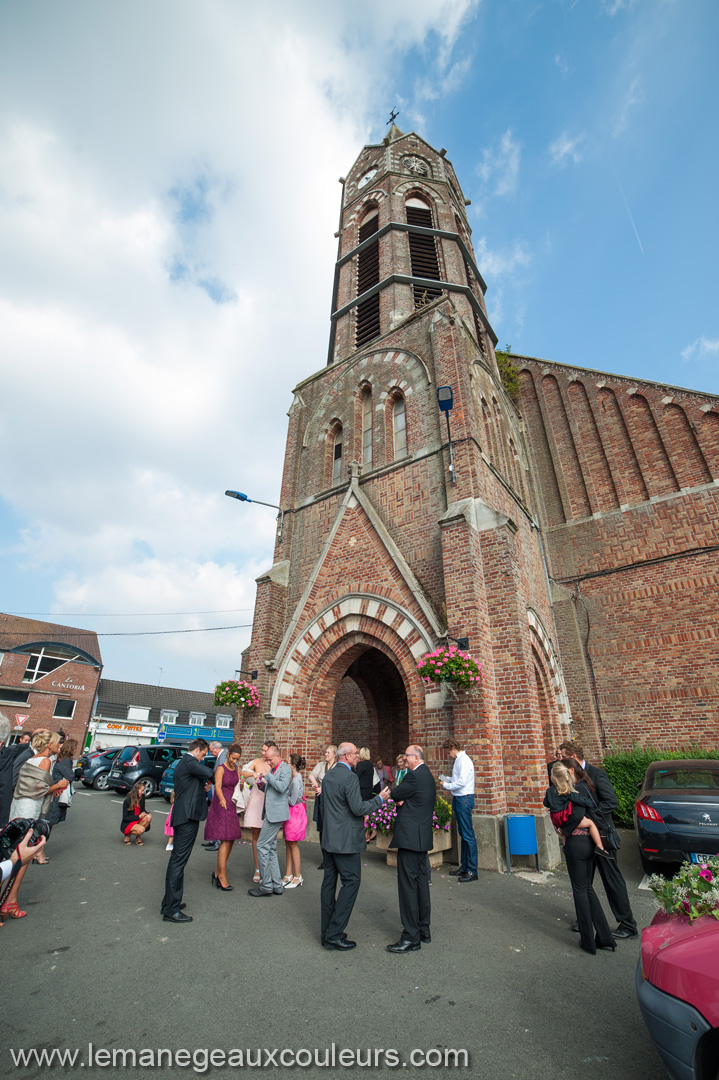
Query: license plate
698 858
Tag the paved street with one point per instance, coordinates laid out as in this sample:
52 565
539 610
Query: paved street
503 977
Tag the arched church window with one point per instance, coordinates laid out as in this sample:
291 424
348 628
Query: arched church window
337 457
399 428
422 251
367 326
367 429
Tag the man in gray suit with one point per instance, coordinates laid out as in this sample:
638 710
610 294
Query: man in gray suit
343 841
275 784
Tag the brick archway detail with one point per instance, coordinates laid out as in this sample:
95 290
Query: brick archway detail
552 672
381 619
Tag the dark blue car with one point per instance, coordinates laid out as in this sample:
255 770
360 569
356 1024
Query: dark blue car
167 783
677 814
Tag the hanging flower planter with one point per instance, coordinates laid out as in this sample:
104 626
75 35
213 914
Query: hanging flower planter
237 692
450 666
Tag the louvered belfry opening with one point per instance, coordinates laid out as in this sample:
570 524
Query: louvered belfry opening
367 276
478 328
423 255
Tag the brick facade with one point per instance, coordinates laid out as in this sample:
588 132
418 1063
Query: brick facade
383 555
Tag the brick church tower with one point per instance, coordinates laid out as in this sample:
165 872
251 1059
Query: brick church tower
390 543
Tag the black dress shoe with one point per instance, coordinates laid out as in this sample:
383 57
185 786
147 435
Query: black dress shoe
619 933
457 872
600 946
259 892
592 952
404 946
425 936
339 943
467 877
179 916
574 927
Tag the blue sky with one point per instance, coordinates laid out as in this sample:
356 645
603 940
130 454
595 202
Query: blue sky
168 198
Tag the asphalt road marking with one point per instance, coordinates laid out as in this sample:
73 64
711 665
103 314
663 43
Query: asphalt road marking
644 884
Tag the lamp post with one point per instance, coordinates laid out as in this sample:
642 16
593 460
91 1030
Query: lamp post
445 401
246 498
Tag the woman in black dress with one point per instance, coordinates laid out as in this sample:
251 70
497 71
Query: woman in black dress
62 770
135 819
579 849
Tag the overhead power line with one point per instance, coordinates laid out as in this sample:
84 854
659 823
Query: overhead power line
129 633
124 614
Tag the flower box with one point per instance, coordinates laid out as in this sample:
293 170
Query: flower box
442 843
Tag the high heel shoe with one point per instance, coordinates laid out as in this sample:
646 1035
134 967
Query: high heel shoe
10 910
287 879
214 878
599 945
225 888
295 882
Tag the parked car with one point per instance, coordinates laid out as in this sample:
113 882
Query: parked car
678 992
93 768
677 813
146 763
167 783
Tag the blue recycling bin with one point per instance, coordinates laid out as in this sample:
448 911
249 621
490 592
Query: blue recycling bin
520 835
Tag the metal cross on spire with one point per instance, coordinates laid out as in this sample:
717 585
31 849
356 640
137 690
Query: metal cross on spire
393 115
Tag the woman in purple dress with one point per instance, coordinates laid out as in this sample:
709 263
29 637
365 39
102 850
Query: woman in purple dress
222 823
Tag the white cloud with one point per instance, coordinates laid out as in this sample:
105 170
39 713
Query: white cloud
504 266
702 350
499 167
633 97
562 64
167 213
566 148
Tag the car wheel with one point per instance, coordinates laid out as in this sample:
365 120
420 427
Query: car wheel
100 782
150 786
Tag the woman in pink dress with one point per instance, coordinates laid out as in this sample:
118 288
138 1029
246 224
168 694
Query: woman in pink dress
253 811
222 823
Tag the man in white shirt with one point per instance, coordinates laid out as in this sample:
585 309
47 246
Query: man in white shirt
461 786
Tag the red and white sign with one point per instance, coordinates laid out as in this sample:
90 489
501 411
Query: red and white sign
21 718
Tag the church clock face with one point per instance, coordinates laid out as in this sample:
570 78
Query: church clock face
415 166
367 177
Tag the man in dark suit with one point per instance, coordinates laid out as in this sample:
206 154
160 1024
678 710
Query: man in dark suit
614 884
343 841
192 781
413 837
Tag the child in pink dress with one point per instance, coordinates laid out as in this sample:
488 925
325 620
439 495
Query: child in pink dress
169 831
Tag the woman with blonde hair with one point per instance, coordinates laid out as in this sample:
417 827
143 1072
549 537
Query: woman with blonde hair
33 792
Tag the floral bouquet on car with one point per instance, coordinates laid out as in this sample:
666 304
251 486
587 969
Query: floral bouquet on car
237 692
693 891
450 664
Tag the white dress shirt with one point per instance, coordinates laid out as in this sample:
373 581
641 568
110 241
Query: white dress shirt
6 868
461 781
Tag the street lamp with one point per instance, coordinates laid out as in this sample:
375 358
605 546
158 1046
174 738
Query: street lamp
246 498
445 401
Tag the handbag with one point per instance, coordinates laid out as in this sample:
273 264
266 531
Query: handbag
65 796
241 796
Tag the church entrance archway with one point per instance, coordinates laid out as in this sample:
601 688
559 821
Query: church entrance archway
371 708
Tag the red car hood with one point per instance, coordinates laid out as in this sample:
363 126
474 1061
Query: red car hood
682 959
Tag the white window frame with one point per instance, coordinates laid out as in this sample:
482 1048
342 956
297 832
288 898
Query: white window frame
169 716
223 716
70 702
138 714
197 719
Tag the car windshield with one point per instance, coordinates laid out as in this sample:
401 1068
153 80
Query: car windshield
705 777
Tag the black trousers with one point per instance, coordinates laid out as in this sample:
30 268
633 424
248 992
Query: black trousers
616 889
413 892
182 844
336 910
579 853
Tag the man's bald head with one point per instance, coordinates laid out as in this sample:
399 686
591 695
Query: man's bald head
346 749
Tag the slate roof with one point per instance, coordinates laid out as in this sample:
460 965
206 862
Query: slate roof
16 631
